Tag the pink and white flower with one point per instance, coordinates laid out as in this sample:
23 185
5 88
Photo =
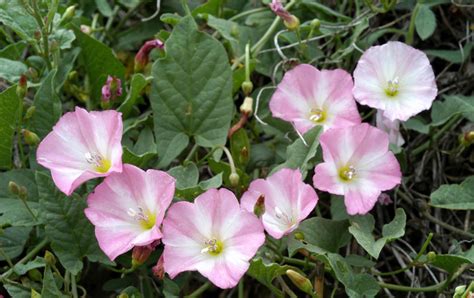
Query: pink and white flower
288 201
127 208
395 78
392 128
308 97
358 165
82 146
213 235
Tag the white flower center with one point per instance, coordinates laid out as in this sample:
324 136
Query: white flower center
347 173
283 217
212 246
392 87
317 115
99 163
145 218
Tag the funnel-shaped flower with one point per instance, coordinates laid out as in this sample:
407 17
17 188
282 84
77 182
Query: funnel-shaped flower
308 97
213 235
392 128
82 146
288 200
358 165
395 78
127 208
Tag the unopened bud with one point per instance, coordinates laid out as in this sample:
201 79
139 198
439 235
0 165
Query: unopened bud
49 258
141 253
431 256
234 31
30 137
68 14
14 188
246 107
459 291
22 87
259 208
293 23
86 29
467 138
299 236
37 35
159 269
123 295
23 193
247 87
315 24
234 179
30 112
300 281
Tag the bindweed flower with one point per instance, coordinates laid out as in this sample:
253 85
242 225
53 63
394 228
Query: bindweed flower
288 200
111 89
384 199
127 208
82 146
291 22
392 128
158 270
396 79
308 97
140 254
213 235
141 59
358 165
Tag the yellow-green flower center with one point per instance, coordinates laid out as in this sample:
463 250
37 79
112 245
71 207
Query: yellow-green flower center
392 87
99 164
145 218
347 173
317 115
213 247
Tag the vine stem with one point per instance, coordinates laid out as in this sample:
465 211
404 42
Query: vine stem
30 255
199 290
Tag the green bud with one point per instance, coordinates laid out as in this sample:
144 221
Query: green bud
293 23
30 112
234 179
22 87
459 291
431 256
247 87
299 236
35 294
234 31
315 24
49 258
68 14
123 295
35 275
300 281
259 208
466 139
14 188
246 107
30 137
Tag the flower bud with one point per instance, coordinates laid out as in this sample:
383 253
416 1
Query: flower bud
431 256
30 137
299 236
246 107
234 179
159 269
68 14
259 208
111 89
247 87
141 253
141 59
315 24
22 87
86 29
292 23
30 112
123 295
49 258
459 291
466 139
300 281
384 199
14 188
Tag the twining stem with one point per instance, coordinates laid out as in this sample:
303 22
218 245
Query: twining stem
448 226
199 290
30 255
231 160
44 33
247 12
394 287
286 288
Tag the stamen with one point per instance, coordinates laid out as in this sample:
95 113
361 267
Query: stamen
317 115
283 217
145 219
347 173
99 163
392 88
213 247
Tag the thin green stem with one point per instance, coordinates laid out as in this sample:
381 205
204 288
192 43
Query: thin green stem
191 153
394 287
25 203
286 288
73 286
44 33
30 255
247 62
6 257
411 28
448 226
241 289
248 12
231 160
199 290
184 4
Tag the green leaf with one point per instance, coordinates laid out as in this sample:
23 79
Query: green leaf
191 192
13 15
13 240
9 105
186 176
425 22
320 235
452 105
240 148
298 155
64 38
104 7
450 262
22 177
70 232
11 70
210 7
48 107
266 273
50 288
453 56
137 84
22 269
143 150
225 28
13 212
191 92
99 62
455 196
362 226
417 124
17 292
13 51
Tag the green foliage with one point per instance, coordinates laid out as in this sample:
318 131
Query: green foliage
451 106
455 196
9 105
191 93
266 273
425 22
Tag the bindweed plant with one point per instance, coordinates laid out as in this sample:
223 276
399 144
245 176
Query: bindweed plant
236 148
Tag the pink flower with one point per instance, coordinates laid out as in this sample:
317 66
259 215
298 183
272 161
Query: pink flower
111 89
141 59
213 236
291 22
127 208
82 146
288 200
358 165
396 79
308 97
392 128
